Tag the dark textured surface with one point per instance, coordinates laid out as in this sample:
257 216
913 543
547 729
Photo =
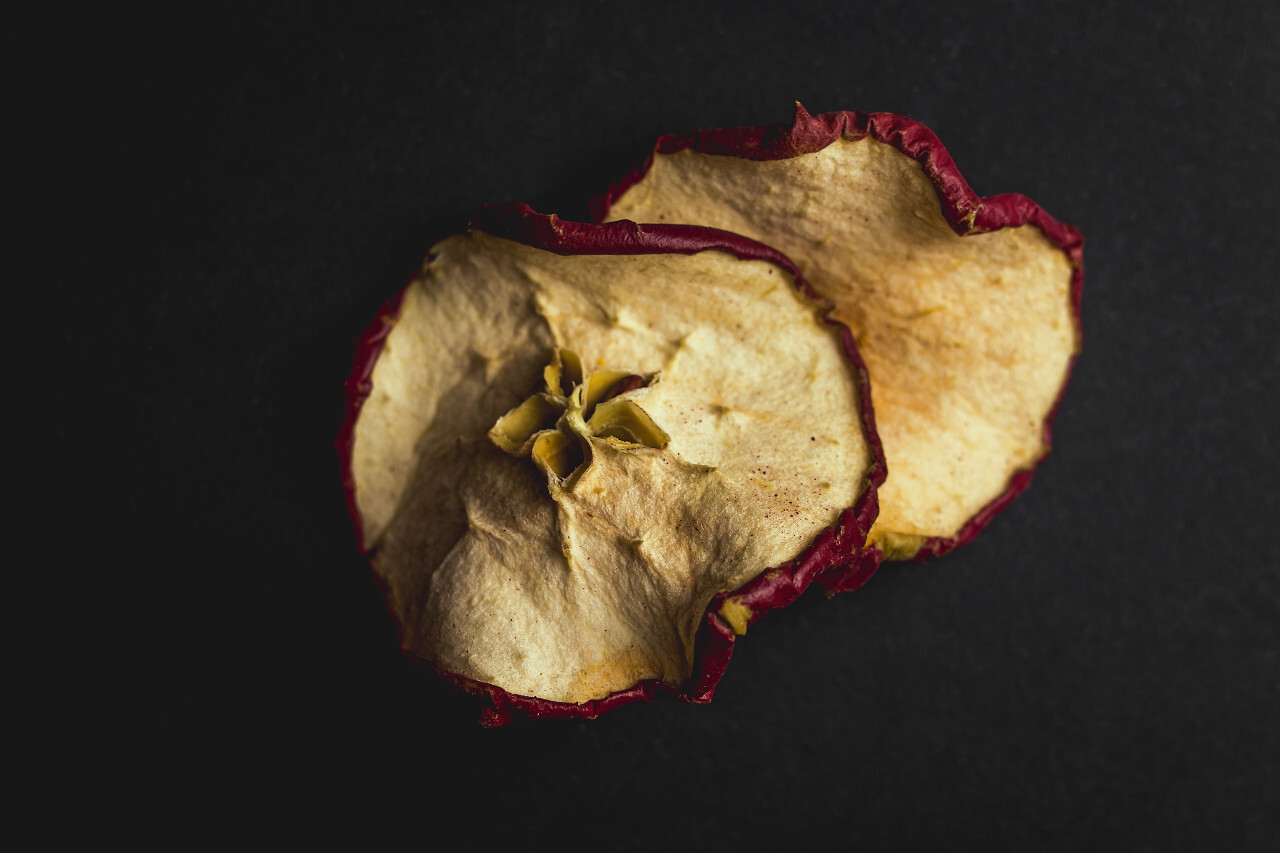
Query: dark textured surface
1098 670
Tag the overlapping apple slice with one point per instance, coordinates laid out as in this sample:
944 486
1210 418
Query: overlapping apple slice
584 456
965 309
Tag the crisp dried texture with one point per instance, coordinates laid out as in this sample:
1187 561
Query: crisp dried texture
965 309
562 461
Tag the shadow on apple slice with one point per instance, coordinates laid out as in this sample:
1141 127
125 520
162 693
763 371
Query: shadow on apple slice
583 458
965 309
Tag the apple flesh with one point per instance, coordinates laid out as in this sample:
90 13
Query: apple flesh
965 309
584 457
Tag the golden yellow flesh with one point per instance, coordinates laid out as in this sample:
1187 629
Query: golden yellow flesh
967 340
539 530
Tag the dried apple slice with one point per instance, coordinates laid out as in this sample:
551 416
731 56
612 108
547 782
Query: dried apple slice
966 310
584 456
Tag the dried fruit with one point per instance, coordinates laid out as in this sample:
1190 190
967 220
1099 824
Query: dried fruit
584 456
965 309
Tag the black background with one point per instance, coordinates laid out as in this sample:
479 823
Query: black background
1100 669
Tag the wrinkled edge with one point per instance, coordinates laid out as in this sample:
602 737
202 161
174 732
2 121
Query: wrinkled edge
715 648
368 346
523 224
964 209
773 588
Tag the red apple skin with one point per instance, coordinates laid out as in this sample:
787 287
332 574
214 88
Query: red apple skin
842 545
359 385
965 210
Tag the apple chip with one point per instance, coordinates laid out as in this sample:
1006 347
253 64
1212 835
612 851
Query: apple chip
964 309
584 456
